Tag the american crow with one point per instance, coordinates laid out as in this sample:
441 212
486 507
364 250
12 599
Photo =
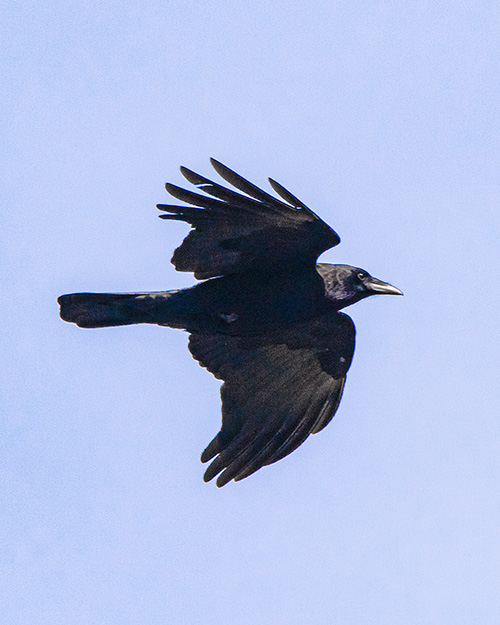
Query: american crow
265 319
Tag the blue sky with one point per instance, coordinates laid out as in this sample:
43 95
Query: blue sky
384 118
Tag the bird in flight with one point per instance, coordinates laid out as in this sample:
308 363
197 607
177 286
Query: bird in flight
264 319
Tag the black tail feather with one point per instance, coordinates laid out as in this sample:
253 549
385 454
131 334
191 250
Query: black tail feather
99 310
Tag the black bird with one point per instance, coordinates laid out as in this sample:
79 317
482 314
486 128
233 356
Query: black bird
265 319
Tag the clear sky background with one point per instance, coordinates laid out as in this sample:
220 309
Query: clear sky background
383 117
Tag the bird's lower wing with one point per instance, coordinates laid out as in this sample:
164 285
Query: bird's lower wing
278 388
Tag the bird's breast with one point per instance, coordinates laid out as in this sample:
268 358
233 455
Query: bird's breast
240 304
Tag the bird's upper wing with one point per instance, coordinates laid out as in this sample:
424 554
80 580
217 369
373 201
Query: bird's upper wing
238 232
277 390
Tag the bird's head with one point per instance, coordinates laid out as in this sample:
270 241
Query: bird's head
346 285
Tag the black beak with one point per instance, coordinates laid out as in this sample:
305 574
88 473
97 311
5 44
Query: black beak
382 288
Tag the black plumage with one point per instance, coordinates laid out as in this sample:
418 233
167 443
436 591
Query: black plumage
265 319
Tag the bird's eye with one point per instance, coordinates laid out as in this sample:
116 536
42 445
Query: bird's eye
361 275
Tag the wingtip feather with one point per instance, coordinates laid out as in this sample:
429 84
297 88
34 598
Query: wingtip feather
215 467
191 176
219 167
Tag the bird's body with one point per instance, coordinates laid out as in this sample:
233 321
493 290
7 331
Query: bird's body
264 318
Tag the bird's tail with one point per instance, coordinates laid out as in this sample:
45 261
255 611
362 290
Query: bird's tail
99 310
